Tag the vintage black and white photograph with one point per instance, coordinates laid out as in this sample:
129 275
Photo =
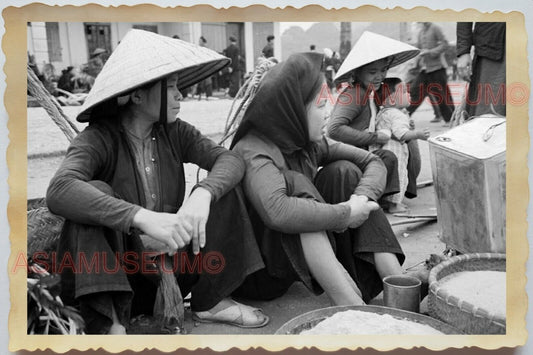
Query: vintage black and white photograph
199 177
266 178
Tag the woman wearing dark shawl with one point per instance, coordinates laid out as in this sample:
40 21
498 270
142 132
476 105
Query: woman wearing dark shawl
294 206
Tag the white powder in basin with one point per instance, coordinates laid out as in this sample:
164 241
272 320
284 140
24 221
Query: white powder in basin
368 323
482 289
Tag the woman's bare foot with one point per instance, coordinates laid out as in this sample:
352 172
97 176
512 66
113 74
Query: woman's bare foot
397 208
117 329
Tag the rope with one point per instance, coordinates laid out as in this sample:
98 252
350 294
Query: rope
50 104
244 96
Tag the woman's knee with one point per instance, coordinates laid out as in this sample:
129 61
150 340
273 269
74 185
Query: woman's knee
102 186
388 158
299 185
342 169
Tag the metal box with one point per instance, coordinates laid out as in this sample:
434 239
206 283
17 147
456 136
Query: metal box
468 166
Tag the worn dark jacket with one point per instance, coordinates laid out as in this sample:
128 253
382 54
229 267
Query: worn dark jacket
102 152
487 37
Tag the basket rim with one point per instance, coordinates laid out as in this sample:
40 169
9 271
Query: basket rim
445 328
451 300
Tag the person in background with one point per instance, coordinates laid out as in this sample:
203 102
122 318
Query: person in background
205 86
66 80
121 187
49 78
393 122
312 48
432 78
332 64
352 119
487 70
233 53
96 62
268 50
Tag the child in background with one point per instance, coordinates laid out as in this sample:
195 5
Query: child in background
393 122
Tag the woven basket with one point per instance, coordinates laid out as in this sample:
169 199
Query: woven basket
44 230
310 319
456 312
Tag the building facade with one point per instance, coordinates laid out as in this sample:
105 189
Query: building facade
66 44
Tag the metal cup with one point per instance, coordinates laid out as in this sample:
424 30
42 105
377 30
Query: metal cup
402 292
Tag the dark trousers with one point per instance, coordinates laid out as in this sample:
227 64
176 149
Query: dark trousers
354 248
414 164
391 164
435 84
234 83
129 284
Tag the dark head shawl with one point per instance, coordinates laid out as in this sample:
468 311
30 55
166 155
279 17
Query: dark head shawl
278 110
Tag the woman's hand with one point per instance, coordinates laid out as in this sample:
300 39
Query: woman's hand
360 208
168 228
195 211
382 138
424 134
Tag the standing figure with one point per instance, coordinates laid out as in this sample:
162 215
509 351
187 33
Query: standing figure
486 91
204 86
268 50
432 79
233 53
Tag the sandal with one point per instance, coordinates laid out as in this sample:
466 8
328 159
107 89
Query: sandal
237 314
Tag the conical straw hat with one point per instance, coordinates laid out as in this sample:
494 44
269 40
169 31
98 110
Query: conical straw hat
371 47
143 57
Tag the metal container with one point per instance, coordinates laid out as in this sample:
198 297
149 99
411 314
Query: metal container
310 319
468 165
402 292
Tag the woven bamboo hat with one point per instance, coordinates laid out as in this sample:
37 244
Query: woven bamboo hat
371 47
143 57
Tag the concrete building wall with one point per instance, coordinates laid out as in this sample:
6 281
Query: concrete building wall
215 34
260 32
73 43
39 43
74 46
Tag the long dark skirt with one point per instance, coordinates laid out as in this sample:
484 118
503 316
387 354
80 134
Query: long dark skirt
129 283
355 248
487 87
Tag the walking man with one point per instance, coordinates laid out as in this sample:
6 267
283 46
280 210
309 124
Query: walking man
432 79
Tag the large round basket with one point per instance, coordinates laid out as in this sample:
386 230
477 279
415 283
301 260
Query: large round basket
457 312
310 319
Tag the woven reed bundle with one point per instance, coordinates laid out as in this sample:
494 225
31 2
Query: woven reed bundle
50 104
459 313
44 229
242 99
244 96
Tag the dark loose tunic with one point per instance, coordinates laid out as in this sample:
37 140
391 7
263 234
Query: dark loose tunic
349 122
98 190
287 199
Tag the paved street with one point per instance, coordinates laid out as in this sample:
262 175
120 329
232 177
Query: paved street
46 145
